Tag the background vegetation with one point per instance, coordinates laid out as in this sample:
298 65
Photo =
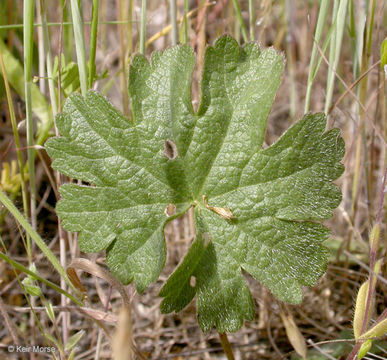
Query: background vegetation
50 49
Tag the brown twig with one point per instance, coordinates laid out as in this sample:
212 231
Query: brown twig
9 323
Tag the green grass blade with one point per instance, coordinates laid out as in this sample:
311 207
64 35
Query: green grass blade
68 34
25 270
122 15
35 236
173 22
93 42
356 32
28 20
79 44
242 24
335 49
321 22
186 10
252 19
143 27
49 62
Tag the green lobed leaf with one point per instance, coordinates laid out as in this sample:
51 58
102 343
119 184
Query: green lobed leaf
255 210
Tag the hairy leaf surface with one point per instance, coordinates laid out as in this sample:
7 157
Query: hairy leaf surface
256 210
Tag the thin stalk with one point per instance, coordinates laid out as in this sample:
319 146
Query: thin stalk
352 35
373 252
143 27
97 353
62 242
383 116
28 44
186 10
173 22
321 22
370 28
167 29
290 52
93 42
130 29
362 97
35 236
355 350
201 34
355 83
79 44
356 173
46 303
332 48
59 80
371 276
242 24
99 338
15 136
68 38
121 14
334 55
252 19
226 346
356 32
28 20
42 72
103 35
47 49
237 30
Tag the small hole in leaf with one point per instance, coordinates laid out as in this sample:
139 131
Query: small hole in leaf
206 239
192 281
170 210
170 150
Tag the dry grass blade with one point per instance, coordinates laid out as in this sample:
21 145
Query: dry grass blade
94 314
168 28
9 324
350 87
294 334
328 356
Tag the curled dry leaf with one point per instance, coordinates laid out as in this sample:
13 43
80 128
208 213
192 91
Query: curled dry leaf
294 334
94 269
